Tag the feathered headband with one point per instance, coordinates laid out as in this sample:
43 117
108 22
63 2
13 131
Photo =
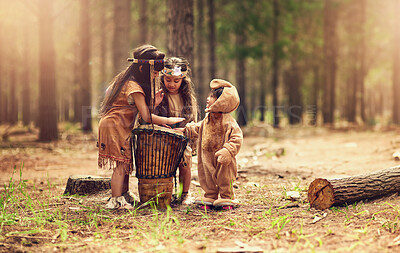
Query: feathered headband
176 72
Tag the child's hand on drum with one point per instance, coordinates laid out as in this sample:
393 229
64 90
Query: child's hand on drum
158 97
174 120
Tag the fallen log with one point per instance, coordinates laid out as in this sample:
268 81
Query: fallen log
324 193
85 184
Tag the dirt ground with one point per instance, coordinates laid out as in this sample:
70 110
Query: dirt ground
271 163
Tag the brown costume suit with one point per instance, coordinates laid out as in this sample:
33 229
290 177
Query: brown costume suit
219 140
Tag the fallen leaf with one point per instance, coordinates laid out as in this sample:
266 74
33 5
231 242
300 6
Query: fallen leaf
318 218
294 195
396 241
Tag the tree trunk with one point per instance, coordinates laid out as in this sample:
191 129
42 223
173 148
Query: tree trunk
351 92
355 98
313 108
396 68
323 193
85 67
295 109
330 65
5 100
65 111
254 91
352 30
143 36
47 80
76 91
85 184
103 46
121 39
211 38
380 104
180 27
12 80
275 63
13 94
263 88
200 84
25 80
2 83
241 79
363 70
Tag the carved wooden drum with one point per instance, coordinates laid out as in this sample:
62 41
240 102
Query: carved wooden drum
157 152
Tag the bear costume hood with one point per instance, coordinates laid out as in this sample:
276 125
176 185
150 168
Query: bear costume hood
228 101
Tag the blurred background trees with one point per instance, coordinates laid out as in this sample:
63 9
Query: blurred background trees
308 62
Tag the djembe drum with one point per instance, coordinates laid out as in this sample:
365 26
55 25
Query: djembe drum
157 153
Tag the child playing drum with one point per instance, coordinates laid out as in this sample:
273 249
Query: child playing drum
129 93
219 140
179 101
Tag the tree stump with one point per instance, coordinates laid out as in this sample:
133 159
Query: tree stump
86 184
324 193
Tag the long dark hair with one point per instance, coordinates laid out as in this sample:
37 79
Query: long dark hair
133 73
186 91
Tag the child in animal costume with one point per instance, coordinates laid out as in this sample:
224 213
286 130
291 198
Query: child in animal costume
179 101
130 93
219 140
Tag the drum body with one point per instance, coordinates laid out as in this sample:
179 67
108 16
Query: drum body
157 153
158 190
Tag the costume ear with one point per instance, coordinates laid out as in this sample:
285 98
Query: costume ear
140 68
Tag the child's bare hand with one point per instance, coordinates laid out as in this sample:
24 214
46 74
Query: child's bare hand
223 156
158 97
174 120
180 129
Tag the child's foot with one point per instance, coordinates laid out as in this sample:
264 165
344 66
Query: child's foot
225 203
204 201
186 199
130 198
112 203
118 203
123 204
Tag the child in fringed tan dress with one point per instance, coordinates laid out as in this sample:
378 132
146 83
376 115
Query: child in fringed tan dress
179 101
128 95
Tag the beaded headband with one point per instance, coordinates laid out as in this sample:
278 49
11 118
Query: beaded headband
176 72
151 62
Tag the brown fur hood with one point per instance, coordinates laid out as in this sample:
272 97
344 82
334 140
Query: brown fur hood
229 99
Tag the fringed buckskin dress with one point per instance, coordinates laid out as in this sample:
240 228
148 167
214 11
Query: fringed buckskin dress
115 131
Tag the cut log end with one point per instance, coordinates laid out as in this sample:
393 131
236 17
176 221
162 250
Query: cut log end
320 194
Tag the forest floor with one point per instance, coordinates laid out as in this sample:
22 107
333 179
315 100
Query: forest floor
37 217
